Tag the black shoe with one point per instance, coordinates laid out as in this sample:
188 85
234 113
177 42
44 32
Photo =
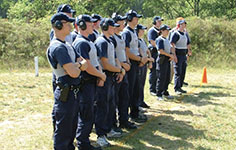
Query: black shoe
128 125
182 91
117 129
185 83
140 119
144 105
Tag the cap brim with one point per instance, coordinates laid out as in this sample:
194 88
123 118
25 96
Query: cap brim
71 20
139 16
116 25
93 20
144 28
122 18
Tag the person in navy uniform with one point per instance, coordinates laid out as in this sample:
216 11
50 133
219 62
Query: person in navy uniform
90 78
181 42
75 32
105 103
121 89
143 67
96 26
66 65
165 55
65 8
132 51
153 34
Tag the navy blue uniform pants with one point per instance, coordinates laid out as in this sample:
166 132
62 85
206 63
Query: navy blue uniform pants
180 70
66 119
105 107
153 72
163 77
142 79
122 100
86 115
133 89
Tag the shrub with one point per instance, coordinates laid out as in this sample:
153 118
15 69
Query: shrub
213 41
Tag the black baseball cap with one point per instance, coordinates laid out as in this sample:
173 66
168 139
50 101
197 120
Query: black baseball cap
61 16
65 8
116 17
86 18
109 22
133 14
97 17
165 27
157 18
140 27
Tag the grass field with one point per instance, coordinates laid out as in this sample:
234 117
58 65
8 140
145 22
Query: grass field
203 119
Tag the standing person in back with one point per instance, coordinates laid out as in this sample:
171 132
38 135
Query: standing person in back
153 34
64 8
105 103
90 77
144 51
165 55
122 88
132 51
181 42
96 26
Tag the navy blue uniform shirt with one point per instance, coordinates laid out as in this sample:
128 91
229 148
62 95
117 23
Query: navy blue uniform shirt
153 34
160 44
83 48
59 55
127 37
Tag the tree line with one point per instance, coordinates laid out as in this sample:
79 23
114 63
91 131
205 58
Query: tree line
29 10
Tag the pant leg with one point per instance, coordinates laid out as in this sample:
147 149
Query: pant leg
53 113
184 67
178 72
167 81
123 100
133 89
142 79
102 107
162 77
65 114
112 106
86 115
153 74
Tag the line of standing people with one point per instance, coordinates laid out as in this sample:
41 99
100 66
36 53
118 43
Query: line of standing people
99 78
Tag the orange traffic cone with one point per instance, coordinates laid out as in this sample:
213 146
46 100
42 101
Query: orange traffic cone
204 76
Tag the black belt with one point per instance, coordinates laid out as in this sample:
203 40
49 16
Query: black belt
181 52
71 87
109 73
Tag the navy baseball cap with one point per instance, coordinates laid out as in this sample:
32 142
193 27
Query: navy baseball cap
140 27
97 17
164 27
133 14
86 18
61 16
109 22
157 18
116 17
65 8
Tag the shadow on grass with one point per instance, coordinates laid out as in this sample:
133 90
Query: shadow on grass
211 87
203 98
160 132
